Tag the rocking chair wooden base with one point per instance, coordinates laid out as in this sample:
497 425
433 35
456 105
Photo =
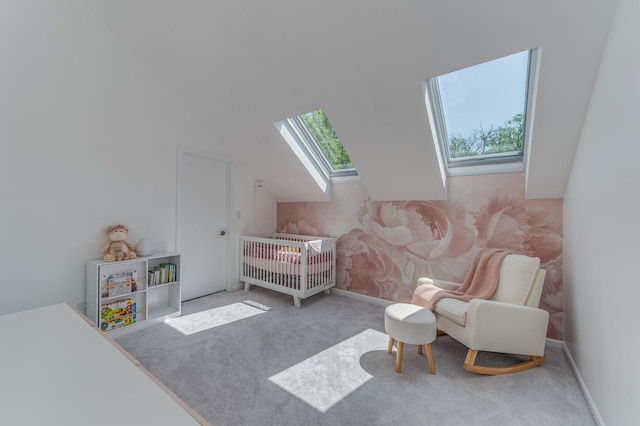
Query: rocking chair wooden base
470 365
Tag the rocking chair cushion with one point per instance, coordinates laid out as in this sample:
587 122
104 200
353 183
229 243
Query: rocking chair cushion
517 275
452 309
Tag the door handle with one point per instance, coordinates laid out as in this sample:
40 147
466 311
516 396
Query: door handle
222 233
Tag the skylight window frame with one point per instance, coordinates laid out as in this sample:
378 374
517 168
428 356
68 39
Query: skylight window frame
490 163
310 149
309 145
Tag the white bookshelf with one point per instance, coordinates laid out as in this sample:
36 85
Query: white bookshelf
124 286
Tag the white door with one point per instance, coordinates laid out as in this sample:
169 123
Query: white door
202 232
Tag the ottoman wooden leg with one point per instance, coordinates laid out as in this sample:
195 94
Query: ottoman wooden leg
432 366
419 349
399 357
390 349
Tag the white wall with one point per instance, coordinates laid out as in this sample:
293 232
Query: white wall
602 230
255 212
88 139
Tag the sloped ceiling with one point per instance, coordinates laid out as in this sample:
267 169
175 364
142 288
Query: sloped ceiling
239 66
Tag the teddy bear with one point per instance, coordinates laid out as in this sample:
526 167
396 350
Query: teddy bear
118 248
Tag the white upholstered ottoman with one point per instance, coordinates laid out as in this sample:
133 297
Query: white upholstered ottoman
411 324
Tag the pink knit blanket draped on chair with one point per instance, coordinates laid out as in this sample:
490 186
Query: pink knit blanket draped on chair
480 282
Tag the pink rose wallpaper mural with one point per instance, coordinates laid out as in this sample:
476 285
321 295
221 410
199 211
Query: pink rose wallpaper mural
384 247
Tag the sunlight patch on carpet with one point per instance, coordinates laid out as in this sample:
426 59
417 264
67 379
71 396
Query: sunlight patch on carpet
325 379
205 320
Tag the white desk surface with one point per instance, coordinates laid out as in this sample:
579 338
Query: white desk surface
56 369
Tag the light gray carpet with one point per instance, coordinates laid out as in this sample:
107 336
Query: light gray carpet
326 364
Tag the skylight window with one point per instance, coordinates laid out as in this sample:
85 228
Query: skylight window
314 141
480 114
325 138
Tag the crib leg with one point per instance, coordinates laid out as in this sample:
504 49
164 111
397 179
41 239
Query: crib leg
247 286
296 301
327 291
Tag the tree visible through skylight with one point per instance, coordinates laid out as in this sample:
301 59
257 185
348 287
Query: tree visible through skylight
320 128
483 109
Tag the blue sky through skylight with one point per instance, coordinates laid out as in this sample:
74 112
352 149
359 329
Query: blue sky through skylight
484 95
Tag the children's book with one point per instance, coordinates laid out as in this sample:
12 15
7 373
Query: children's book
117 314
118 284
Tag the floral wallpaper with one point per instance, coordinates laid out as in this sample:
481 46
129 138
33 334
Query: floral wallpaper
385 246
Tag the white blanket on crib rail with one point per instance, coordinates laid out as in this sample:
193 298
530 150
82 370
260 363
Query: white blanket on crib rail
319 246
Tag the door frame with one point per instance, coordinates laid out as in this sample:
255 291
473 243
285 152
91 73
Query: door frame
229 224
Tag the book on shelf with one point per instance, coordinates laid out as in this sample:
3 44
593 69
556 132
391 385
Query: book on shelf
118 314
162 274
118 284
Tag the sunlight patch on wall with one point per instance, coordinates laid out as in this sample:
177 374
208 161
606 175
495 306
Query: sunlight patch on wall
325 379
205 320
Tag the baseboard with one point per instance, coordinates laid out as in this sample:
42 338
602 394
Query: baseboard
583 386
362 297
555 343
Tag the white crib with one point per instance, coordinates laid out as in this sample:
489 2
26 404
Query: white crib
298 265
